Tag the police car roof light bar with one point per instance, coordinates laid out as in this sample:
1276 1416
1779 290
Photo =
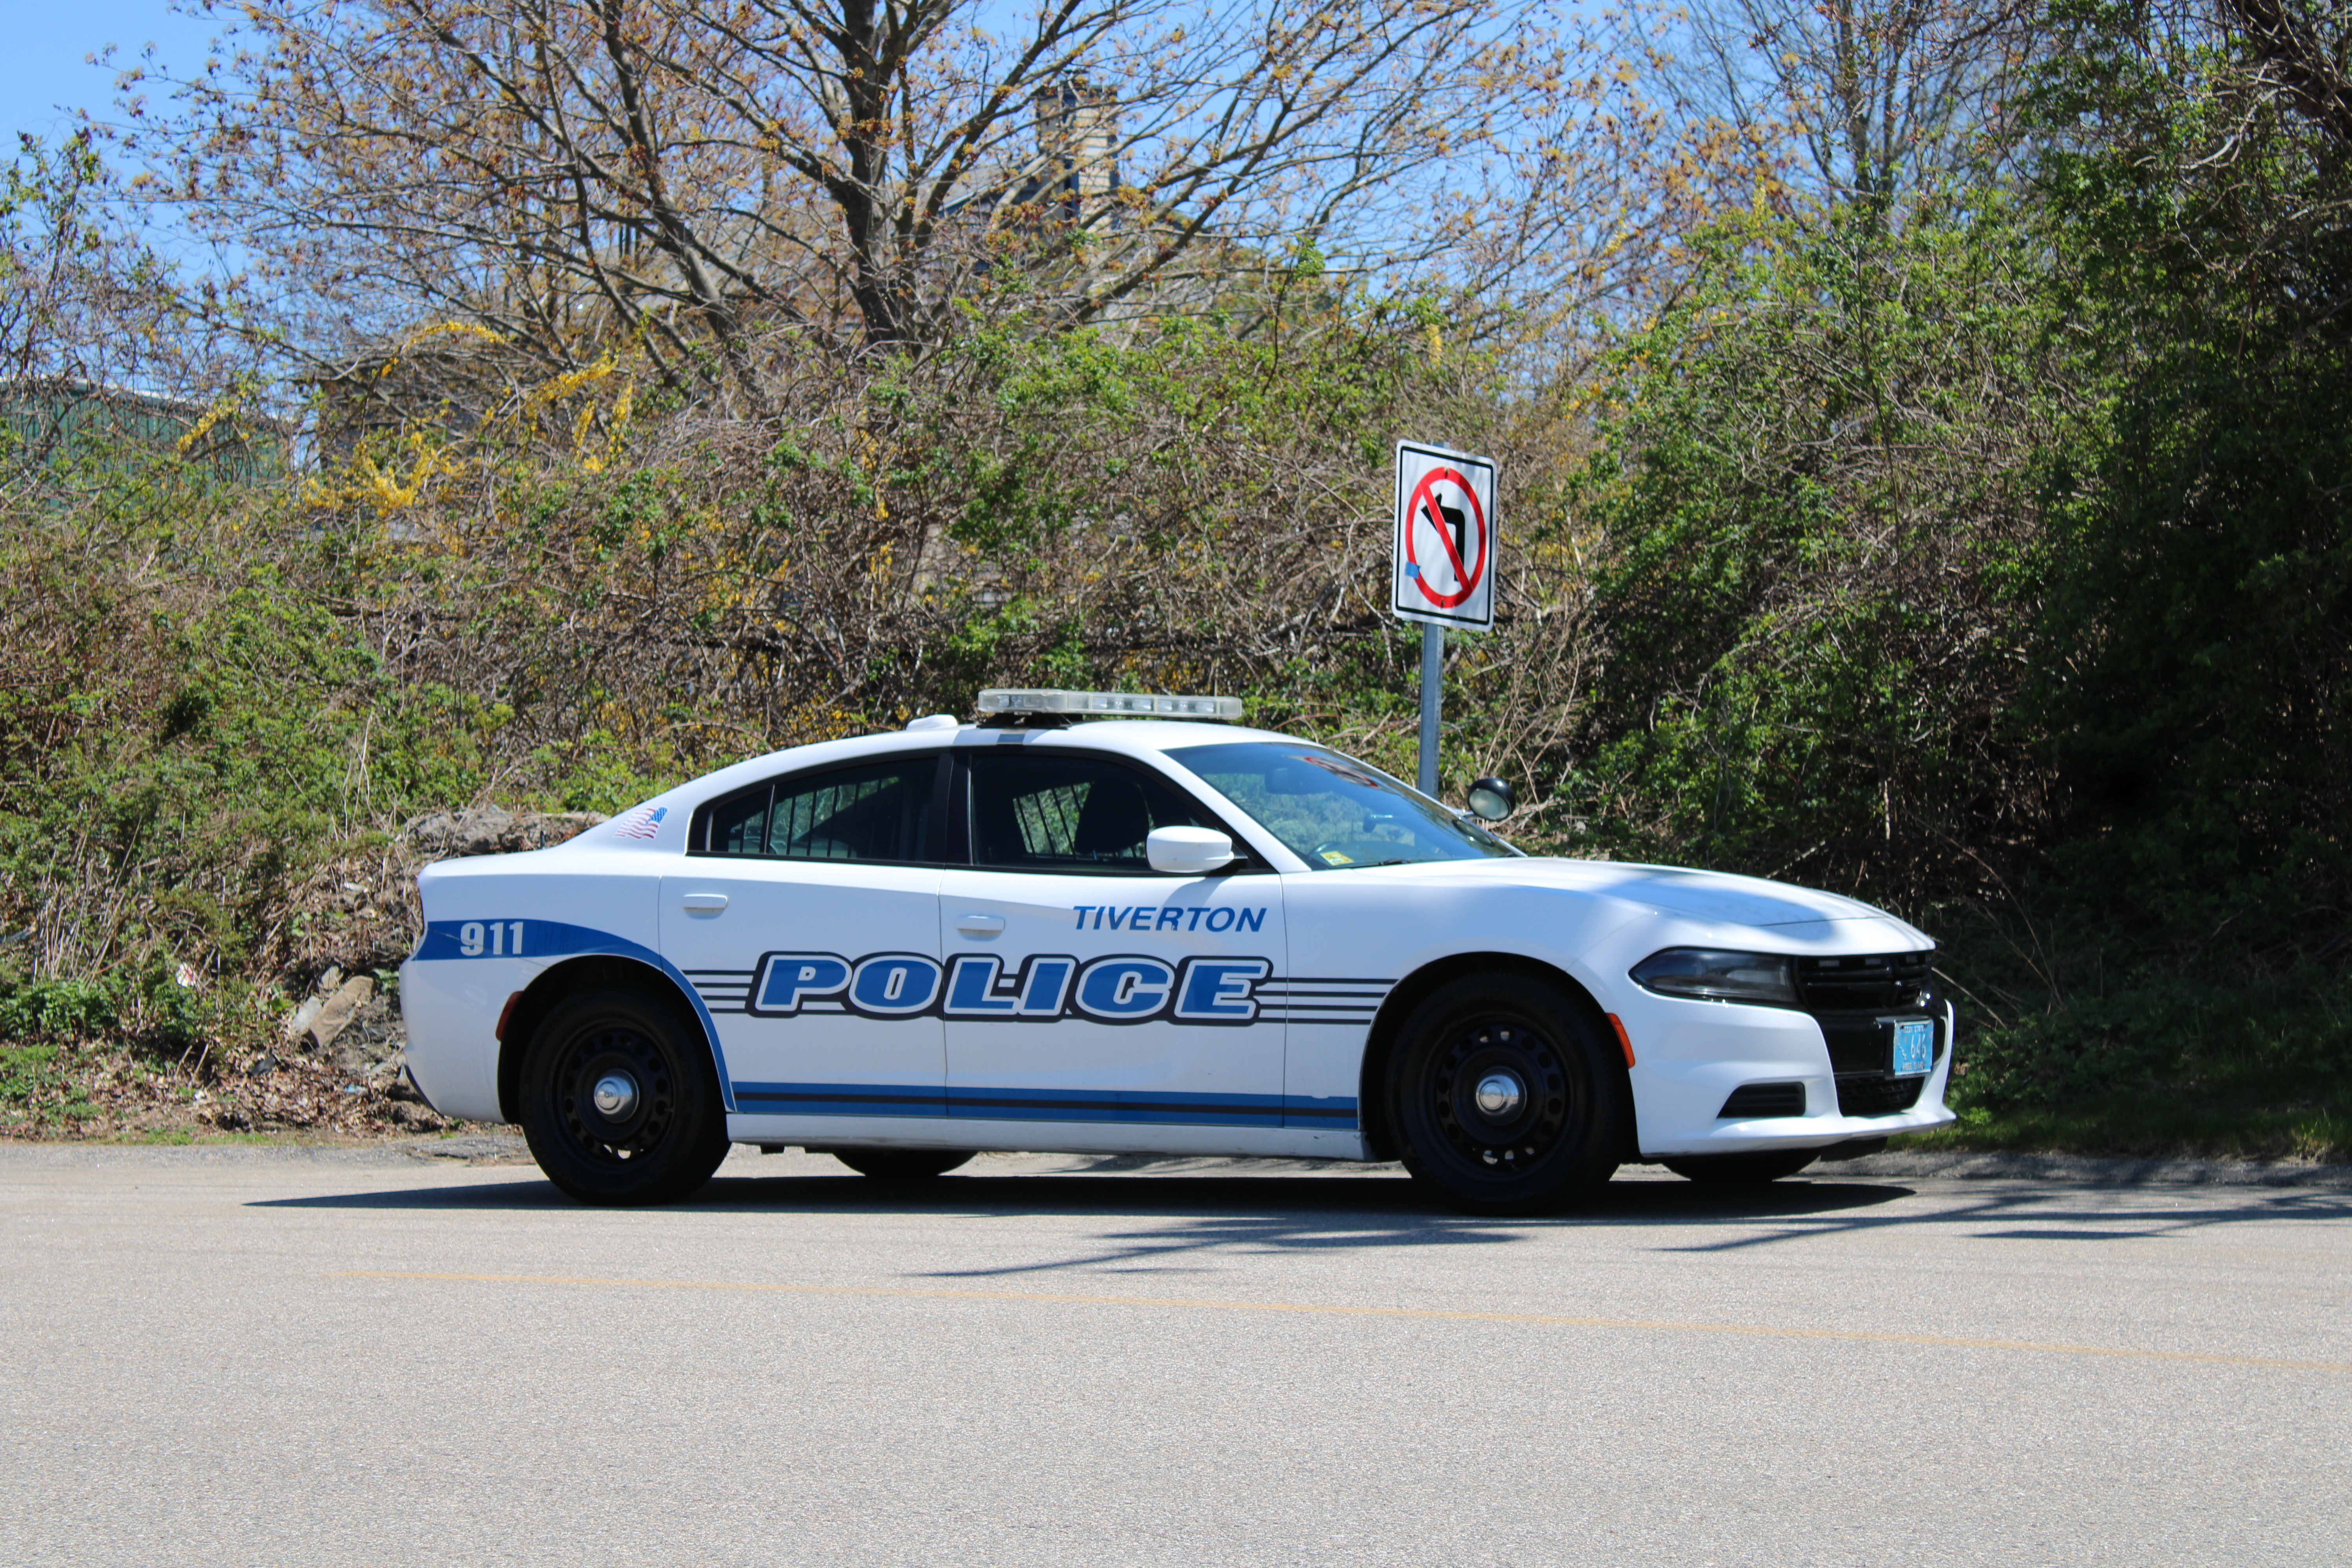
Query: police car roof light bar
1005 704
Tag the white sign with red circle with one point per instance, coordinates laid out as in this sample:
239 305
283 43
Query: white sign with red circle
1445 568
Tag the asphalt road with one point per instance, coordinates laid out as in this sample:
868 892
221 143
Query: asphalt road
264 1356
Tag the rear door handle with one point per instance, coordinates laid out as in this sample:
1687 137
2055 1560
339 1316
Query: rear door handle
979 925
704 904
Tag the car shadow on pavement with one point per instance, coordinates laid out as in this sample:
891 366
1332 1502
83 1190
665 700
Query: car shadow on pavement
1177 1222
1384 1196
1183 1217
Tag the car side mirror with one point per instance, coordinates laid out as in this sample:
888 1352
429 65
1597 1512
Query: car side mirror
1188 851
1492 799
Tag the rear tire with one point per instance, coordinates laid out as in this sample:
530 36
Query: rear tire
620 1105
902 1164
1742 1170
1505 1098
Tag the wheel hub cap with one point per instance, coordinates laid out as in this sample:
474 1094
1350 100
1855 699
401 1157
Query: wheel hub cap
1499 1095
1503 1096
614 1096
618 1092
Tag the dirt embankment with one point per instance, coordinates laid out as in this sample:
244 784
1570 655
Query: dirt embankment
331 1064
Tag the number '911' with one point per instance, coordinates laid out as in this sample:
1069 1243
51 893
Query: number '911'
499 939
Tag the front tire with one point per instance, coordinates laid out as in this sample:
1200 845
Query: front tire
619 1105
1742 1170
902 1164
1504 1097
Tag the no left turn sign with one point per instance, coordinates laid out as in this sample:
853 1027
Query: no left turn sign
1444 566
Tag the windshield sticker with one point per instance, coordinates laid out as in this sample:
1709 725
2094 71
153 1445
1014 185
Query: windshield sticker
1340 766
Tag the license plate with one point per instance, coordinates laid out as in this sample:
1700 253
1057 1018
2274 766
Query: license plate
1915 1047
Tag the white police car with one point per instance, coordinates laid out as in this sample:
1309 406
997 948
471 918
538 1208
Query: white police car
1160 935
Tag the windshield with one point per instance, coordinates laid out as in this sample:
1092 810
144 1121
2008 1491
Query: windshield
1333 811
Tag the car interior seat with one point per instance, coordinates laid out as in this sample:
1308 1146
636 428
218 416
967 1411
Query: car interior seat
1113 822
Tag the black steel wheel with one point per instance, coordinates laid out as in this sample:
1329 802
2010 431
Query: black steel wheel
901 1164
620 1104
1504 1097
1743 1170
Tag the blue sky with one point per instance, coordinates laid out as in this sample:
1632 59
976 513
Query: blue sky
48 40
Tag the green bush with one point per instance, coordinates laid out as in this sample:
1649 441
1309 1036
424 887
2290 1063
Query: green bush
2193 666
55 1010
1818 509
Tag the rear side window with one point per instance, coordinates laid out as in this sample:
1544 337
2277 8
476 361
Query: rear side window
739 826
878 811
1044 812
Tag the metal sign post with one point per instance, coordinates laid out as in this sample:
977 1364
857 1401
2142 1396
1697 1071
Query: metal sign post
1444 571
1432 697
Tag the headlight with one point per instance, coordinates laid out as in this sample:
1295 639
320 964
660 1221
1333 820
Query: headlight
1709 975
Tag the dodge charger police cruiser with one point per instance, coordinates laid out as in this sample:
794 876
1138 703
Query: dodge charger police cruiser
1106 922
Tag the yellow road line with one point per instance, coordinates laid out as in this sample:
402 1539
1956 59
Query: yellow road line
1547 1319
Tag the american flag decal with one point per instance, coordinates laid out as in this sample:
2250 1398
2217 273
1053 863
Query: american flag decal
643 823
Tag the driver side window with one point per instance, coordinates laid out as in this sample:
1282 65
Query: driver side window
1047 812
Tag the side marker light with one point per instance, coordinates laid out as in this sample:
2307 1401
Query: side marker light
506 1016
1623 1044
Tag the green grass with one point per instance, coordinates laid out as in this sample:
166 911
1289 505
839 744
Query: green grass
2168 1068
2150 1128
38 1088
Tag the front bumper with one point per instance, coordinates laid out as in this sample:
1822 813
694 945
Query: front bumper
1689 1057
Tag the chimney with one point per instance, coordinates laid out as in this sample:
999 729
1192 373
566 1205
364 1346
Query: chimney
1077 134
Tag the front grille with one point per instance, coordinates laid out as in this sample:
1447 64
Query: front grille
1851 999
1868 983
1861 1045
1765 1099
1878 1095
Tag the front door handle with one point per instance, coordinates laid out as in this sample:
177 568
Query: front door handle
704 904
979 925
